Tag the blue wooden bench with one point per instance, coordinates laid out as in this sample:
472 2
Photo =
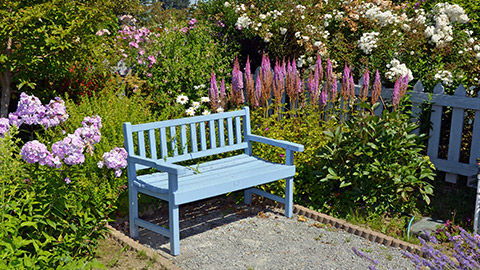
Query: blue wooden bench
160 145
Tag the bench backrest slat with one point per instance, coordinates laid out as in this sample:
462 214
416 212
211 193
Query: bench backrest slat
189 138
230 131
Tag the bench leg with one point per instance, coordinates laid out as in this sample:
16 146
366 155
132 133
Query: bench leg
133 211
248 196
173 220
289 197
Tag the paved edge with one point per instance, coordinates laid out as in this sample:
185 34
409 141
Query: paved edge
165 259
150 252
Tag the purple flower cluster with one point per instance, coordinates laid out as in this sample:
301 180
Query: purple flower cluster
115 159
70 149
30 111
4 126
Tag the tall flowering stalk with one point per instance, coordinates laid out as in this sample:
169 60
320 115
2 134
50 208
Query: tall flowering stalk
249 83
377 88
223 94
312 84
346 83
365 85
278 83
258 91
291 82
399 90
213 92
266 77
237 84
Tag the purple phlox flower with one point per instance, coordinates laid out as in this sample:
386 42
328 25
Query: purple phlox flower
115 159
141 51
133 44
30 109
140 61
33 152
4 126
53 161
258 90
152 60
248 73
220 24
237 77
55 113
67 180
184 30
14 120
192 21
70 149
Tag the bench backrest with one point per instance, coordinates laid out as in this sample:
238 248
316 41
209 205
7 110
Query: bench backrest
189 138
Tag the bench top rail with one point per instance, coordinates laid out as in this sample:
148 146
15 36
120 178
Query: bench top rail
189 138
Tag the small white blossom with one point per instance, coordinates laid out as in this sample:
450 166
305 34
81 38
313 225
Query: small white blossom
206 112
262 16
182 99
204 99
220 109
298 34
445 76
196 105
283 30
190 111
227 4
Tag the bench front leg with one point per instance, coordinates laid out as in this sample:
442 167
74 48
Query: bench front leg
173 215
289 186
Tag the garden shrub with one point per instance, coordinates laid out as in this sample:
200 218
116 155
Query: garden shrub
374 163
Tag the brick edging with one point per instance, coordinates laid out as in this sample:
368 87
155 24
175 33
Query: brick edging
356 230
150 252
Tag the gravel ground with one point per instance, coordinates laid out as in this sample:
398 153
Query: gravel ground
219 234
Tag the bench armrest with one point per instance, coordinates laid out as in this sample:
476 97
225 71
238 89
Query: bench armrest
165 167
280 143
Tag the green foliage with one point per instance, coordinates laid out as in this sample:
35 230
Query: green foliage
300 126
374 163
45 223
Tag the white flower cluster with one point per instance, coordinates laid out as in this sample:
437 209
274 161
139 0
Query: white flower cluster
397 69
243 22
240 8
368 42
445 76
200 86
301 61
301 8
420 17
338 15
444 15
283 30
383 18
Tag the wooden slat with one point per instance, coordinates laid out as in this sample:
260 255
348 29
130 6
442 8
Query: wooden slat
436 121
163 143
187 120
193 137
230 131
221 133
213 136
183 138
208 152
238 130
141 144
456 130
173 140
152 143
203 138
475 147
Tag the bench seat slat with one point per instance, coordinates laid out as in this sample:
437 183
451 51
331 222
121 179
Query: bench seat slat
240 171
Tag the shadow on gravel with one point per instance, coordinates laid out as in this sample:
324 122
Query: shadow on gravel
195 218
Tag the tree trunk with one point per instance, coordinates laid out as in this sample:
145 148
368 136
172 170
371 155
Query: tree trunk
6 91
6 78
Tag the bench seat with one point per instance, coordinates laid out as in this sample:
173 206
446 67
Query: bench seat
216 177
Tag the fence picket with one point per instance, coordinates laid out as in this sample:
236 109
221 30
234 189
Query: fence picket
436 122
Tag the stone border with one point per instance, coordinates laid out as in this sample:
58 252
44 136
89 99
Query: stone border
356 230
166 259
150 252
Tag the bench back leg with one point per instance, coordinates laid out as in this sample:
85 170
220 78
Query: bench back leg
133 210
173 220
289 197
248 196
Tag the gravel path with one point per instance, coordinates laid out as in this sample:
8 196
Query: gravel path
219 234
